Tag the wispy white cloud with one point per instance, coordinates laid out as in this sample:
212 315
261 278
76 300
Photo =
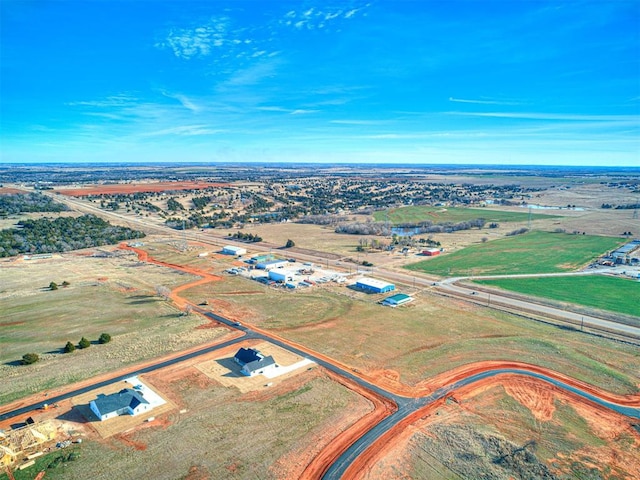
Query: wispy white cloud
319 17
484 101
202 40
359 122
110 101
296 111
184 100
302 111
252 75
551 116
185 130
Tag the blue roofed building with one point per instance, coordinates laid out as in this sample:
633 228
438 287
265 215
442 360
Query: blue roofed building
124 402
253 362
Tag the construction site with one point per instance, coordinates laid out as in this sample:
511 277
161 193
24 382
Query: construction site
21 446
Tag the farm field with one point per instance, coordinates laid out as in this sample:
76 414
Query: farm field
420 213
223 433
607 293
111 295
409 344
480 438
533 252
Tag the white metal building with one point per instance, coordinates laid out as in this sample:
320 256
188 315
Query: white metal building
233 250
374 286
281 275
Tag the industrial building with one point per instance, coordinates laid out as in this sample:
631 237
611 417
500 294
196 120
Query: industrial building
374 286
281 275
397 299
431 252
261 258
233 250
269 264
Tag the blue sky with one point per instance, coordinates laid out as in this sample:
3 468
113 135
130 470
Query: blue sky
510 82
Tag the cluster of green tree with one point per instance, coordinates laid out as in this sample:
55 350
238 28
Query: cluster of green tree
627 206
29 358
200 202
519 231
28 202
384 228
62 235
174 205
54 285
247 237
85 343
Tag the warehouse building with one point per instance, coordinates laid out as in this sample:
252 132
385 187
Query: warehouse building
397 299
261 258
233 250
372 285
270 264
281 275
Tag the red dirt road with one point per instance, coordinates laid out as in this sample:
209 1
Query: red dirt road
383 407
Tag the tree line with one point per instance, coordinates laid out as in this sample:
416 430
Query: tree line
27 203
61 235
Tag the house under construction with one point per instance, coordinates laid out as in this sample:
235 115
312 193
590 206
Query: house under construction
24 441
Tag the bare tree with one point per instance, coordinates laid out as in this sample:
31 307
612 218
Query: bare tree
163 292
188 309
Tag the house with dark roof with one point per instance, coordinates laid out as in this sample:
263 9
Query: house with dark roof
247 355
253 362
124 402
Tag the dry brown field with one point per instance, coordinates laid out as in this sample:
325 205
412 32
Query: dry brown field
114 295
218 431
412 343
515 428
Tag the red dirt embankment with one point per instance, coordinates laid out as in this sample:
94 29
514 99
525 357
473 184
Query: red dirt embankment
139 188
382 407
464 371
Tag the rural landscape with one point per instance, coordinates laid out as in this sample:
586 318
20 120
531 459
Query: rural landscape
319 321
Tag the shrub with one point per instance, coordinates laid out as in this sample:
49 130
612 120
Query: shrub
69 347
104 338
29 358
84 343
53 286
290 243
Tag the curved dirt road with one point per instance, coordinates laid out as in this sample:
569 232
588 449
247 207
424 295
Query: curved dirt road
358 445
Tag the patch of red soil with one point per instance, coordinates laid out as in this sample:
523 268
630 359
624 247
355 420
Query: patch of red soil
197 473
533 394
325 458
10 191
139 188
127 440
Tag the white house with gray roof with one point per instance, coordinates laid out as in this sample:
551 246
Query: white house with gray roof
125 402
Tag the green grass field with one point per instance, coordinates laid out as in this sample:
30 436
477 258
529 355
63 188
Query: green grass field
534 252
421 213
606 293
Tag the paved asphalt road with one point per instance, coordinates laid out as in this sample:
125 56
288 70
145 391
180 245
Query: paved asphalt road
338 468
406 406
446 287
